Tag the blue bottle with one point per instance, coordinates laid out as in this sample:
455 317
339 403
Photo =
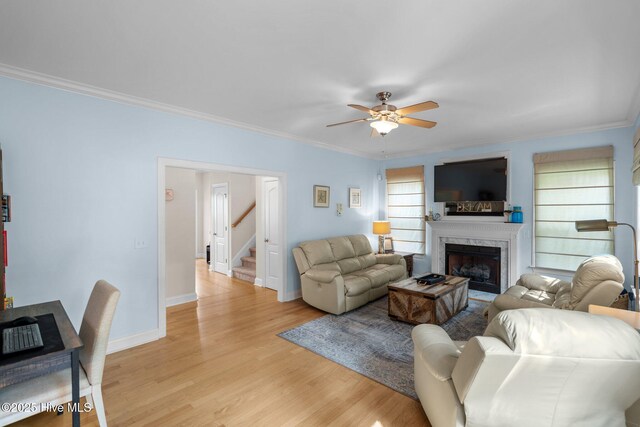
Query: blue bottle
516 215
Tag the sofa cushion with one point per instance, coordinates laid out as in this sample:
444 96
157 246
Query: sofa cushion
341 248
563 296
361 244
377 277
539 296
553 332
367 261
395 272
349 265
540 283
317 252
356 285
333 266
591 273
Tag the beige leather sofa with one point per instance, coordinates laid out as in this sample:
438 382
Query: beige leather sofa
598 280
342 273
533 367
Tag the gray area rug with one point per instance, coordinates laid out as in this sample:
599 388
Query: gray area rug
367 341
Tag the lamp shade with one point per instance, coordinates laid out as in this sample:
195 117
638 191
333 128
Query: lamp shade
381 227
595 225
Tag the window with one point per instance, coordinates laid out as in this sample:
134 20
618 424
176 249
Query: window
405 208
570 186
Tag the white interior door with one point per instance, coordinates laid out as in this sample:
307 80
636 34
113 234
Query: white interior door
272 245
220 228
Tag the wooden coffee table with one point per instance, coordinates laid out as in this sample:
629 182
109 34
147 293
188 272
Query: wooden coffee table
414 303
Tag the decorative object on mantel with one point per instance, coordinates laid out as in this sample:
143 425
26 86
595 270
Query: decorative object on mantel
516 215
605 225
321 196
355 198
381 228
168 194
474 208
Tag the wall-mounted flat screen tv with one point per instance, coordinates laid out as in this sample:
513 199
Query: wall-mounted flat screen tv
476 180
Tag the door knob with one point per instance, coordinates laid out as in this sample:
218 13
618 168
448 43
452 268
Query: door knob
266 240
215 234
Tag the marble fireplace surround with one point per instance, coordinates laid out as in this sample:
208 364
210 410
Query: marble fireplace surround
493 234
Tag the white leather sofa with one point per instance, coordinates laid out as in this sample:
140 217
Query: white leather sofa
342 273
598 280
532 367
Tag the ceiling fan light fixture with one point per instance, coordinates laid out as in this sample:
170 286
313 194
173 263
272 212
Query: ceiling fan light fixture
383 126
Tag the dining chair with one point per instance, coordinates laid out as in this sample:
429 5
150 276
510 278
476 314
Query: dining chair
55 388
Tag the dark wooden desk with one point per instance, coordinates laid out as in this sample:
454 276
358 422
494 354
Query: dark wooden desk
44 364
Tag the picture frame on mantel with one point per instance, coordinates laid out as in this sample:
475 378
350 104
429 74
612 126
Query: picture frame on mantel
355 198
321 196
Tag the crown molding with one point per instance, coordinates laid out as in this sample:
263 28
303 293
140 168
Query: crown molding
485 142
97 92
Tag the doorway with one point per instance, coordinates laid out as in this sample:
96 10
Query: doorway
272 252
278 263
220 228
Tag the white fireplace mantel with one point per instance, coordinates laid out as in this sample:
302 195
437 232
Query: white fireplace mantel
495 234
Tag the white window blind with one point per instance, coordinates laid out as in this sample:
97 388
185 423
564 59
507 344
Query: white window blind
569 186
405 208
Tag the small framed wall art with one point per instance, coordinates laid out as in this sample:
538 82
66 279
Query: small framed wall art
321 196
355 198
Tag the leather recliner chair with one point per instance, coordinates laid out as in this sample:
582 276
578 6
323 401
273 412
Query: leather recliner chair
598 280
532 367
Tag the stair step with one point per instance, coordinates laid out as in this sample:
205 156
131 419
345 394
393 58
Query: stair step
249 261
252 251
244 273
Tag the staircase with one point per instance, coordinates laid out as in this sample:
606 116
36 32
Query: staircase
247 271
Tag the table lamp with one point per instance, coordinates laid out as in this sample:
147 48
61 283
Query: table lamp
381 228
604 225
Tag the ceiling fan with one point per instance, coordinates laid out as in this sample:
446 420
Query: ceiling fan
386 117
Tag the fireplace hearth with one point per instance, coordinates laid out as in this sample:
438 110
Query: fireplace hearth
481 264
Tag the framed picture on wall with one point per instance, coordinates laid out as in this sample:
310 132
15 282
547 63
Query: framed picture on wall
355 198
321 195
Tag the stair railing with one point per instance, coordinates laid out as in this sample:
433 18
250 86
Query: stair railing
244 215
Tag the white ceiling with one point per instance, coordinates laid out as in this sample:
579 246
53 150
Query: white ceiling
501 70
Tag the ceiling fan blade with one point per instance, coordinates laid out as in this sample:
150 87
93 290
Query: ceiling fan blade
374 133
417 122
423 106
350 121
361 108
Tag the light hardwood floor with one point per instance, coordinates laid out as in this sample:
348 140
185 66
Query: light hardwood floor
222 364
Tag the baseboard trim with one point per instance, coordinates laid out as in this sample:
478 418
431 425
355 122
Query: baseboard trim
257 281
120 344
181 299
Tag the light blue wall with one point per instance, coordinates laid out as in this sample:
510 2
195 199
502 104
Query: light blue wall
521 173
82 173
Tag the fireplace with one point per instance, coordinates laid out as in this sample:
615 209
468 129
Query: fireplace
481 264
